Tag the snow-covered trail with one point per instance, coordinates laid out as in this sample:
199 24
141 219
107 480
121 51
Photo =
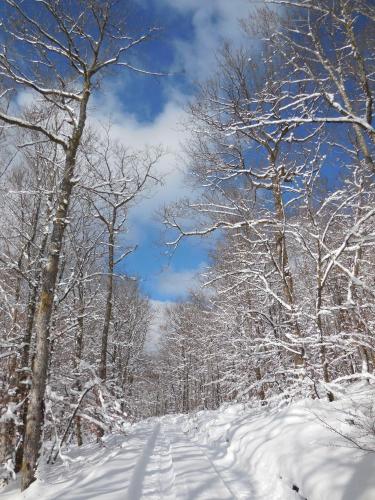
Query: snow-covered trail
157 461
236 452
180 468
172 466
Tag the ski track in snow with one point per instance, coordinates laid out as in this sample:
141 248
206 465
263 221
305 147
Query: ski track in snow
199 475
173 467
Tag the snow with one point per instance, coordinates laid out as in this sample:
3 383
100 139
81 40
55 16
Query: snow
296 446
236 452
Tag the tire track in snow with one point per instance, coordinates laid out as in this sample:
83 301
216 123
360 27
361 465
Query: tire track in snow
196 476
166 469
233 479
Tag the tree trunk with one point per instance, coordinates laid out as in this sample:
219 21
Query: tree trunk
258 377
78 355
7 427
35 412
108 306
319 323
22 387
283 265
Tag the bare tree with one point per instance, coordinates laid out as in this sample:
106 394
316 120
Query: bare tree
330 76
117 178
71 45
268 132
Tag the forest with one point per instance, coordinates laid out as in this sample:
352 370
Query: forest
280 161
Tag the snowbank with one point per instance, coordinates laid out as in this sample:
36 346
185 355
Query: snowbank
309 447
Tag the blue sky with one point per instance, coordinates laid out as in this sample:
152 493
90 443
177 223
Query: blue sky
147 111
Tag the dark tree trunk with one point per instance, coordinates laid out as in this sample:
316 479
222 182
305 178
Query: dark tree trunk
35 413
108 305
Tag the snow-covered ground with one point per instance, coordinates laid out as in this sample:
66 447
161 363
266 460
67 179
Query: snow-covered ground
235 452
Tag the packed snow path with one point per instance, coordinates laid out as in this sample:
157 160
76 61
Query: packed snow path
157 461
172 466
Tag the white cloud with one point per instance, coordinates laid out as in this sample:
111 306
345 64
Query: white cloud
178 283
165 131
155 331
213 22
